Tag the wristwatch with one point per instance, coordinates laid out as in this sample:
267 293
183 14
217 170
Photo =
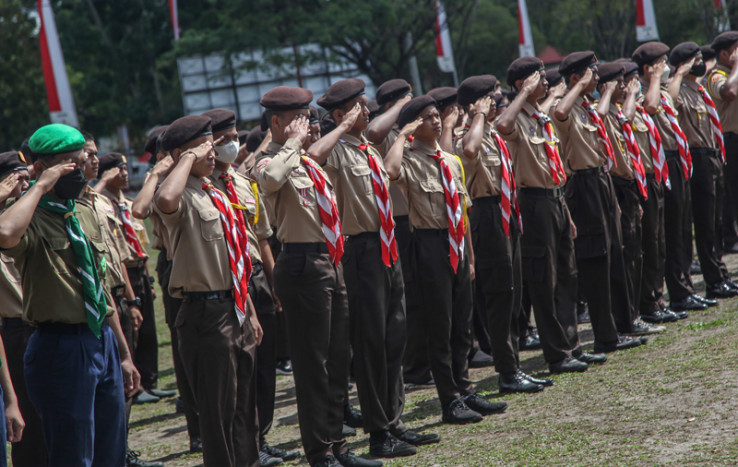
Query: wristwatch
135 302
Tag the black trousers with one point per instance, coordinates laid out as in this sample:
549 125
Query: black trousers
550 271
677 231
629 200
593 207
731 181
654 248
313 295
498 279
707 186
266 353
377 322
447 311
146 357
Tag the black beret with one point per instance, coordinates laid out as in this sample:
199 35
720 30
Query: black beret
708 53
185 129
242 136
610 71
392 90
256 136
151 145
577 61
647 53
523 67
474 87
314 115
630 67
111 160
341 92
724 40
287 98
412 109
553 76
444 96
11 162
221 119
683 52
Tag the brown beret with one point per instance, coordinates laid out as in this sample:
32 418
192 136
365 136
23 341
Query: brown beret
256 136
111 160
610 71
221 119
523 67
412 109
708 53
11 162
242 136
683 52
647 53
724 40
474 87
630 67
577 61
287 98
314 115
341 92
185 129
444 96
392 90
553 76
154 139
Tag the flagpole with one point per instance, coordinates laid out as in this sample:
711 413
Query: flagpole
525 36
646 28
444 51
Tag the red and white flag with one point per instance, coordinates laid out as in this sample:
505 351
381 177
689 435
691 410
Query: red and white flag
174 17
646 29
525 41
58 92
721 16
444 52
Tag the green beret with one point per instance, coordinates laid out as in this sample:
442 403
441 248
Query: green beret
56 138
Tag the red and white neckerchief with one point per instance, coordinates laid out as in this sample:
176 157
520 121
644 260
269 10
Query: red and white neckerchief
381 194
238 257
131 236
509 198
684 156
230 192
634 152
327 209
717 128
454 212
552 150
594 117
660 168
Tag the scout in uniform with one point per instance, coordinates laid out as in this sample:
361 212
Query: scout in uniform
217 326
77 364
308 277
432 181
495 227
699 119
371 269
452 115
547 248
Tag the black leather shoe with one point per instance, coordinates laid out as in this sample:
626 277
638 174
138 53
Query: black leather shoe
514 382
195 444
144 397
352 416
658 317
731 284
675 315
265 460
349 459
347 431
279 452
328 461
589 358
417 439
689 303
622 343
530 342
568 365
719 290
543 382
132 460
706 301
459 413
483 406
481 360
383 444
161 393
642 328
284 366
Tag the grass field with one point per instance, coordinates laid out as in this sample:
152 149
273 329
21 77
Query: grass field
672 401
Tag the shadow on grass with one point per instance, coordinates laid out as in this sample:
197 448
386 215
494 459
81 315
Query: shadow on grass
155 419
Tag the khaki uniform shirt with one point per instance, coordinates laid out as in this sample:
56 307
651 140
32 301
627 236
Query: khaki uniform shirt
624 166
484 171
642 137
527 147
133 259
580 145
693 116
349 172
668 139
256 228
399 203
199 250
290 192
52 284
727 110
422 182
11 290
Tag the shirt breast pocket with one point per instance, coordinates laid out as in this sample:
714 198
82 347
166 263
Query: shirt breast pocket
492 160
363 173
210 225
58 249
12 273
304 188
434 191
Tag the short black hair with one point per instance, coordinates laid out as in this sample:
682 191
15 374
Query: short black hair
87 135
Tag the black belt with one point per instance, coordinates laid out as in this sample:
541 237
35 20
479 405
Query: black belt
594 171
431 232
14 323
707 152
671 154
557 192
623 181
65 328
404 218
256 268
487 200
289 248
364 236
212 295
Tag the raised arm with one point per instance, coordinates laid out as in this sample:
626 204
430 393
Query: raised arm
273 174
676 81
653 96
382 124
629 105
605 98
472 140
729 91
393 159
168 195
321 149
563 108
141 207
506 123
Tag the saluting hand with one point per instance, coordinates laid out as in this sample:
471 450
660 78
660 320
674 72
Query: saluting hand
559 90
609 87
482 105
531 83
410 127
350 118
685 67
586 78
50 176
632 87
404 100
298 128
163 167
658 69
8 185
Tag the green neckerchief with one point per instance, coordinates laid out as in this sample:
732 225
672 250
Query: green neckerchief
95 305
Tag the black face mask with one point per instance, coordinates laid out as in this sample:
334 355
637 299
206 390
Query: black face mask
69 186
699 70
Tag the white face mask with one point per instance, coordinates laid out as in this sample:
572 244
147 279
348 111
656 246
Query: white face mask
667 73
227 153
